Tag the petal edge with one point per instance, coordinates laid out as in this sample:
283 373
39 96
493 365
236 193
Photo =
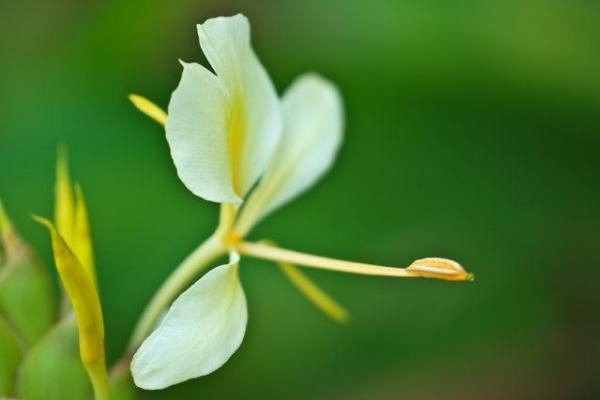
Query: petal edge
201 331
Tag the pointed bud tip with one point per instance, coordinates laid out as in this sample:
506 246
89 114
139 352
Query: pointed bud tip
5 223
80 199
62 160
9 238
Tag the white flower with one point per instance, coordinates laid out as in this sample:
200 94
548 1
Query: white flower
226 132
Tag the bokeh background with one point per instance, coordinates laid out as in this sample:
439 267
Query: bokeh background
473 132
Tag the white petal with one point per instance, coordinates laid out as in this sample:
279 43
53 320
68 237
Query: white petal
197 134
201 330
313 125
254 115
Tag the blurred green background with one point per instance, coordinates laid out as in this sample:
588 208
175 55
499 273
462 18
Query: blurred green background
473 132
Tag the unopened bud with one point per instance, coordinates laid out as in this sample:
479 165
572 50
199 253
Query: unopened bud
26 295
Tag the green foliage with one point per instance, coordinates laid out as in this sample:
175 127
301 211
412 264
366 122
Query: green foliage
39 357
26 298
10 357
52 370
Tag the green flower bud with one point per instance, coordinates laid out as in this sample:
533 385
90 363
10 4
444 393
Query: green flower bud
52 370
10 356
27 301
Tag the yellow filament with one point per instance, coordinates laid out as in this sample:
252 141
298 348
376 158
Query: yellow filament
149 108
308 260
314 294
311 291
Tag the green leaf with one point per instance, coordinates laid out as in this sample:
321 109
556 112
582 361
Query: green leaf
52 370
26 296
10 357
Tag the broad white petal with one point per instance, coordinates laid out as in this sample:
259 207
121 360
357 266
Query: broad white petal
254 118
201 330
312 134
197 134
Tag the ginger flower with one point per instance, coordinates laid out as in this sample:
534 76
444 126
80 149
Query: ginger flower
233 141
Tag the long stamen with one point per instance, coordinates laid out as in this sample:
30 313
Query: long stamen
449 270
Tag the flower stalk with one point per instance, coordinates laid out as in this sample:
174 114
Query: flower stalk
201 258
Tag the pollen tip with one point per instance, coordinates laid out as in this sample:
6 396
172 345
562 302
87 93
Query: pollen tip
470 277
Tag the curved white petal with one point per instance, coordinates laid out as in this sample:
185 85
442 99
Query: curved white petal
254 114
202 329
223 128
312 134
197 134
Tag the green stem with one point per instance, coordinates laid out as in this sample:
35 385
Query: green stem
206 253
99 379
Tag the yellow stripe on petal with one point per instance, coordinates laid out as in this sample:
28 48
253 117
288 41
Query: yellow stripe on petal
253 109
64 205
149 108
82 241
314 294
313 129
